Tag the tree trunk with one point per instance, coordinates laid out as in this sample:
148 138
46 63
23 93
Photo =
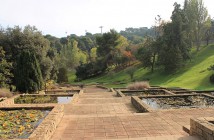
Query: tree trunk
207 41
153 63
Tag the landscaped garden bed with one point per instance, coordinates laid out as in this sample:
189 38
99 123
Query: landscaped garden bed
179 101
61 91
41 99
186 101
20 123
144 92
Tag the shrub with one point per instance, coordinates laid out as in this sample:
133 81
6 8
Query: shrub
62 75
5 93
138 85
130 72
92 69
212 78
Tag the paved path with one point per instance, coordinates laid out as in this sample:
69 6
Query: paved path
99 114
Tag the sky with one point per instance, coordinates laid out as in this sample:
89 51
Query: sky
62 17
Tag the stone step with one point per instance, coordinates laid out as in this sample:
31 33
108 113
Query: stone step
97 96
99 100
186 128
98 93
169 137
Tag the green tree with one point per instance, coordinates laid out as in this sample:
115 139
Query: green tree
208 28
5 75
147 53
93 54
130 71
15 40
28 75
107 46
62 75
197 16
175 46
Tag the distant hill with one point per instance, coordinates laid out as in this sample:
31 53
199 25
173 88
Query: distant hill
136 35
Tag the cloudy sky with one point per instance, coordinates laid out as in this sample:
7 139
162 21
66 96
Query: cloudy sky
56 17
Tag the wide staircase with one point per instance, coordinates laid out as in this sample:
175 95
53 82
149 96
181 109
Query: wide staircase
99 114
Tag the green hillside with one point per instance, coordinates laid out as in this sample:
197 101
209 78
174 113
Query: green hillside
193 76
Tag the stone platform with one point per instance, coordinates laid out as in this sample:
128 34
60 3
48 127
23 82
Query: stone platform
99 114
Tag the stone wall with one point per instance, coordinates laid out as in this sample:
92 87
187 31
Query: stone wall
46 129
120 94
139 105
8 101
202 128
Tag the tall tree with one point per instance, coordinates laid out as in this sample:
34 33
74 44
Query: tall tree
147 53
5 75
197 16
28 74
16 39
107 46
175 46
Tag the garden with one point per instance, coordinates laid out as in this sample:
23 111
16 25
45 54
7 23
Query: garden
20 123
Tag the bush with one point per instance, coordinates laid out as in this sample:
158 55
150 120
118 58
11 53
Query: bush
130 72
5 93
89 70
62 75
212 78
138 85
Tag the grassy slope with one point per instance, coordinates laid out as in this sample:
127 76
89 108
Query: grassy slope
193 76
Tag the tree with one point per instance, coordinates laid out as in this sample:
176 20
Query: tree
209 30
107 46
71 56
197 16
147 53
130 71
62 75
93 54
28 76
15 40
5 75
175 46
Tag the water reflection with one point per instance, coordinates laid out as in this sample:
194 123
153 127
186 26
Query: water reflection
179 102
63 99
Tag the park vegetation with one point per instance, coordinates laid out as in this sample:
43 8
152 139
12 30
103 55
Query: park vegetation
29 59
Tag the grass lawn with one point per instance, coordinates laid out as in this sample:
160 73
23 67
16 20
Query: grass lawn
193 76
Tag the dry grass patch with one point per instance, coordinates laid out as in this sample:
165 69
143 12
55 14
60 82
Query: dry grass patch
5 93
138 85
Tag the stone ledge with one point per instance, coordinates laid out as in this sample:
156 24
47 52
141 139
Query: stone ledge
202 127
8 102
46 129
120 94
139 105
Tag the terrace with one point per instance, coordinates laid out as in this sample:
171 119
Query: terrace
97 113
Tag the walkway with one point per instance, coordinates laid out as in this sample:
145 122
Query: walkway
99 114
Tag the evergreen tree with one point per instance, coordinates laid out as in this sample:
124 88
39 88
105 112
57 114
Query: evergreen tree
5 75
62 75
28 76
175 46
107 46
